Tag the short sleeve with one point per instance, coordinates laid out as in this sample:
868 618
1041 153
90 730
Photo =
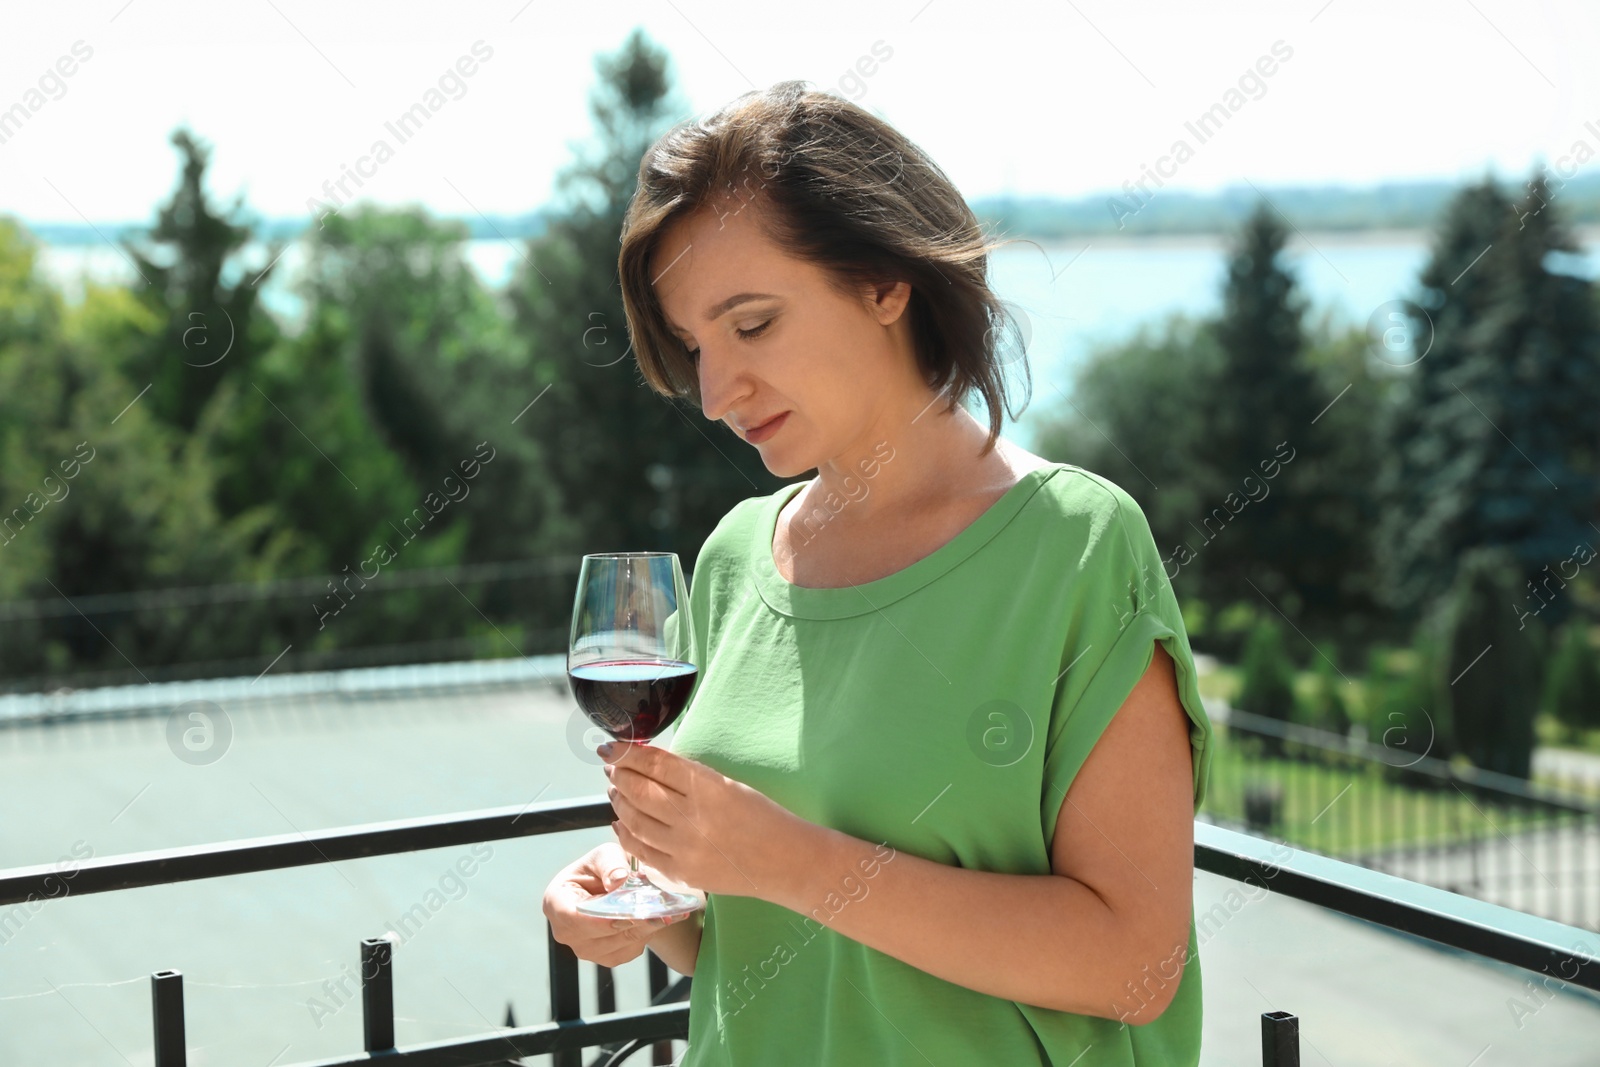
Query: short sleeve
1123 604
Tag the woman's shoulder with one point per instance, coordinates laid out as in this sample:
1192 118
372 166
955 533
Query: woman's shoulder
735 531
1077 492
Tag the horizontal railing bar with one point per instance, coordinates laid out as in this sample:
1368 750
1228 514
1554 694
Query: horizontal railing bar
1489 930
1429 766
659 1023
250 855
1451 919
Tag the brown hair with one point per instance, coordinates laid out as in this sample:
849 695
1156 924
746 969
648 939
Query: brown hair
838 188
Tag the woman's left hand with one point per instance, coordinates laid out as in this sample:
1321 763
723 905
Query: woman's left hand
696 826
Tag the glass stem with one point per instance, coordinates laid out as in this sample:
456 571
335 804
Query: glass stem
635 879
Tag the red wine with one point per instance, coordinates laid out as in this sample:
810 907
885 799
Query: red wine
632 700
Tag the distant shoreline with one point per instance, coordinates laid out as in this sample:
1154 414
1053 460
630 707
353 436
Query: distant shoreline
1587 235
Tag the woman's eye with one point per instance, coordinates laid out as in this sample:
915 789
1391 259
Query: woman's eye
694 353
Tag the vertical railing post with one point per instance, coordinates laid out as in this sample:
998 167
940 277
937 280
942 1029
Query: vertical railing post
564 995
1280 1039
166 1008
605 990
661 1051
377 994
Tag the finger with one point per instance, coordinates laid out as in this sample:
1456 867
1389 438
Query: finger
639 773
585 883
643 851
635 815
616 875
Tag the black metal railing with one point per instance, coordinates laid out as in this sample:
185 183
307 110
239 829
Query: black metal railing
1491 931
1486 835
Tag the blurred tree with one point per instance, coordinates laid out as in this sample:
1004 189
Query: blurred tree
1493 713
120 501
1420 480
635 470
1533 372
435 371
211 326
1266 685
1263 402
1572 686
1324 707
1490 439
1143 413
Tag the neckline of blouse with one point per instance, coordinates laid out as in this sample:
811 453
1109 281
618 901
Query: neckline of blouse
806 602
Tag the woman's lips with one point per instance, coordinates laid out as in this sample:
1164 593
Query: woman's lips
757 434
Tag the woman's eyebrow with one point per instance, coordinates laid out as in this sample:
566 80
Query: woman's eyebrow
717 310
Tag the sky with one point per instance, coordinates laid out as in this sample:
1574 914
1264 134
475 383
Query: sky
1011 96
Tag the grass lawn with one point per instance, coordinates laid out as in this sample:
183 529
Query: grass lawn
1346 811
1222 682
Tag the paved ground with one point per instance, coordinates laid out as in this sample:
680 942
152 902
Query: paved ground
255 950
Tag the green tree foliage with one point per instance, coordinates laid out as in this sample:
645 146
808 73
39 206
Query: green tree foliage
1572 685
1493 665
1534 369
1324 707
423 356
102 496
210 325
1481 442
1266 396
1405 707
1149 414
1420 485
634 469
1266 685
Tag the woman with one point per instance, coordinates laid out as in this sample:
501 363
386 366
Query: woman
938 778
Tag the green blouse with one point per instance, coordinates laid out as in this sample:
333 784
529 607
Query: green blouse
941 711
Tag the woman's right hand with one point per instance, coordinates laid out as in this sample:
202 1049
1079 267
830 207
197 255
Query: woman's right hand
607 942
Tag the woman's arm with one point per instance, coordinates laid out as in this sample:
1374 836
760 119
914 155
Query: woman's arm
1085 938
678 945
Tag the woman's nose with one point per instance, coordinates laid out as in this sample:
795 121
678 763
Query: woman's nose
718 378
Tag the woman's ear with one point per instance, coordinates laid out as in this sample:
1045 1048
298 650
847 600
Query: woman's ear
889 300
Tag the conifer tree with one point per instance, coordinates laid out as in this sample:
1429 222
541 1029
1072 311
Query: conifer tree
211 327
1267 678
1491 439
1493 665
1572 687
1265 398
635 469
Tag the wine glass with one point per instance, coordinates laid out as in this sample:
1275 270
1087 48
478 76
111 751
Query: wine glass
630 665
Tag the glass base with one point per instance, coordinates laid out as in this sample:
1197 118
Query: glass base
646 902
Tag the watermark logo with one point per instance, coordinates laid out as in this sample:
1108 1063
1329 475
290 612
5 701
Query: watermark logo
999 732
199 732
583 737
197 339
1393 335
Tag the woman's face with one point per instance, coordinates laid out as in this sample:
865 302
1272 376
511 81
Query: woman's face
840 370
